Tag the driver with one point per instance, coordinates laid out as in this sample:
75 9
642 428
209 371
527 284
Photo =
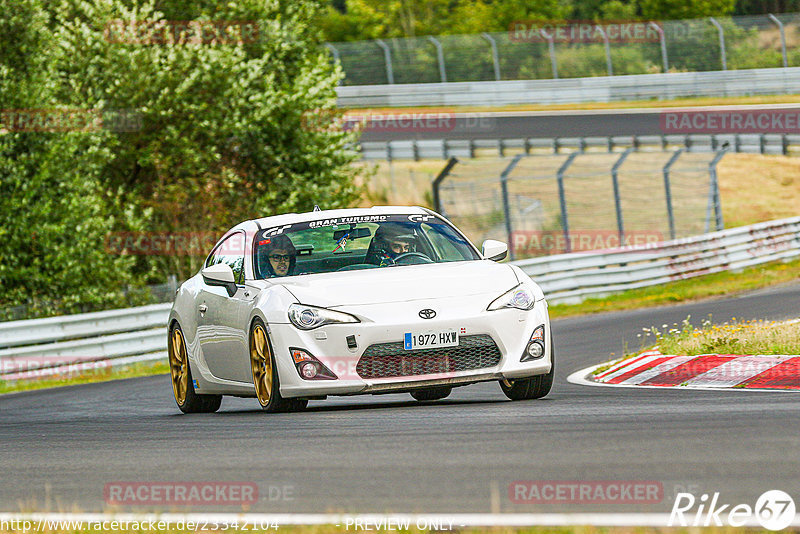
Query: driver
389 243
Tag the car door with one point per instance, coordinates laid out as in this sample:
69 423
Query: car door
222 330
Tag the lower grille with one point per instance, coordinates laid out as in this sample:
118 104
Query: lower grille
387 360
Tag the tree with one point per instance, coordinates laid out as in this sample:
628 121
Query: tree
53 219
684 9
224 120
359 21
221 133
371 19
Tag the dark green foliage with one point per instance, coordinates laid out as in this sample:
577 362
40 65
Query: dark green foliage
221 135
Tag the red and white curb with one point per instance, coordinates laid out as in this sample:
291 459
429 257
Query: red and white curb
706 371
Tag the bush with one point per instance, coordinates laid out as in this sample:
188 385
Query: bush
221 135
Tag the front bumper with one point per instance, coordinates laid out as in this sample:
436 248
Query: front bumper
510 329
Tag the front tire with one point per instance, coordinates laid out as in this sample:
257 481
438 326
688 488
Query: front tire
265 374
181 373
431 394
534 387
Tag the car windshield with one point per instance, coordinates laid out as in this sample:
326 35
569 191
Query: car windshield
354 243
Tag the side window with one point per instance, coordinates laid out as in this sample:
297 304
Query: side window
230 252
445 247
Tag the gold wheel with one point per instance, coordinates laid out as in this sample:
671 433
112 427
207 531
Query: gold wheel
261 364
179 366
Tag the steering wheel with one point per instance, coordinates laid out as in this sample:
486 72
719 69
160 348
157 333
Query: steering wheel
418 255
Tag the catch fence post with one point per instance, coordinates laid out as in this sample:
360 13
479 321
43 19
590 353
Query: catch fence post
439 58
721 33
668 191
506 203
617 199
712 169
387 57
778 23
563 200
495 55
437 183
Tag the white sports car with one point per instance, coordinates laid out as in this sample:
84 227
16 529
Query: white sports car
355 301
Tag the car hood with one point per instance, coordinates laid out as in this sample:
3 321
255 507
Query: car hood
402 284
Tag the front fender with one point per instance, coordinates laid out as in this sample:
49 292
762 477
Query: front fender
272 305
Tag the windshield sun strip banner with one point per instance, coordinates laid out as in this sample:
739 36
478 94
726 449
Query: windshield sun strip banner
336 222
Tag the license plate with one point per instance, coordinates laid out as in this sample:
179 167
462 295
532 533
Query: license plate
430 340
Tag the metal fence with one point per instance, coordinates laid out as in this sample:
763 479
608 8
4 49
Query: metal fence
560 203
558 51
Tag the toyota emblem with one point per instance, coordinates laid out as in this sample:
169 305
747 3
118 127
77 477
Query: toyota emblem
427 313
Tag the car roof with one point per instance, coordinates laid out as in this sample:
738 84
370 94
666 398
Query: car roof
277 220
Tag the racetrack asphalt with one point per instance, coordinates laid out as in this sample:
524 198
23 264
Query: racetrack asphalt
544 124
60 447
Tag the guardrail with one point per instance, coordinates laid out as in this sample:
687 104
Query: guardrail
662 86
139 334
39 344
567 278
66 327
786 144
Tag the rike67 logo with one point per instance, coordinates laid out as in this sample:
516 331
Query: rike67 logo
774 510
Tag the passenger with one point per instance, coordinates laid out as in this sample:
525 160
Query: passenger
280 255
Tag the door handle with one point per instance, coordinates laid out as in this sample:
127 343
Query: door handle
203 308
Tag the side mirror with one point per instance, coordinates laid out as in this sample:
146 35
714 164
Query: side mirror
220 274
494 250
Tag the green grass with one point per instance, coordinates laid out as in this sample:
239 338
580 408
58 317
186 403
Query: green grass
733 337
738 337
129 371
702 287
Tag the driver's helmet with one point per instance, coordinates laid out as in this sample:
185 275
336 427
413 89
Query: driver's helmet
393 240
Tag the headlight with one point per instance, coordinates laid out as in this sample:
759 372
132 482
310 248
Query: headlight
310 317
520 298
